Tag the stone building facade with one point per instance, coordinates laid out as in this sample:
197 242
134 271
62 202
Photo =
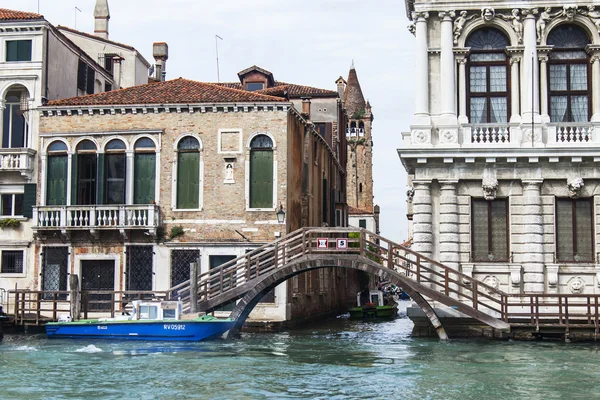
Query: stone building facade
136 184
502 149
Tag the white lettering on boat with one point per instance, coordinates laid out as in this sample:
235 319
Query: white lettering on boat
174 327
102 327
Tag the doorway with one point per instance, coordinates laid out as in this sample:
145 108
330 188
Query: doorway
98 275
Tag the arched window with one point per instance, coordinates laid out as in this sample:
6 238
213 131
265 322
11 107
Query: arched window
144 172
188 173
261 172
115 166
487 89
568 78
56 174
85 173
14 127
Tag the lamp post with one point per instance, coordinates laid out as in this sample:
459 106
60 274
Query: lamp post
280 214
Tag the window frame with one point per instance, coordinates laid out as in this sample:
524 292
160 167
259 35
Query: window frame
19 41
14 202
23 271
175 176
490 239
247 173
9 113
590 200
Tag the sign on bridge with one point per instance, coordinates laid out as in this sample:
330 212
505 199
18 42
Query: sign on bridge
322 243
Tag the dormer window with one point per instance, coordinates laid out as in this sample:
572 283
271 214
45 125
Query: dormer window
252 86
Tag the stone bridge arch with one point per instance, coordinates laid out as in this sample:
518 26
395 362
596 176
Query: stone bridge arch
310 262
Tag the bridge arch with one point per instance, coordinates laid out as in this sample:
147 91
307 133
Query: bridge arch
310 262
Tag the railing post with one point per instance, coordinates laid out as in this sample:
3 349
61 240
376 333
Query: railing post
74 296
276 255
194 287
113 299
303 242
390 260
362 242
446 283
122 220
418 271
54 307
63 217
475 289
38 306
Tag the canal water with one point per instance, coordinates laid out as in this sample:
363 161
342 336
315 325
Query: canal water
336 359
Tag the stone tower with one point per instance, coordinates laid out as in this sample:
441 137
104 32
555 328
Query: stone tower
101 17
360 145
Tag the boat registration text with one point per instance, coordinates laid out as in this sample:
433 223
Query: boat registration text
174 327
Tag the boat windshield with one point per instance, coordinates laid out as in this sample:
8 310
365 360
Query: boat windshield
148 312
169 314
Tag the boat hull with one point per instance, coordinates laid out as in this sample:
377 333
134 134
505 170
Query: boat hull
176 330
373 312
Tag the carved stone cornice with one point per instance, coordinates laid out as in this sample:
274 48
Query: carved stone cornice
593 49
529 12
446 15
420 16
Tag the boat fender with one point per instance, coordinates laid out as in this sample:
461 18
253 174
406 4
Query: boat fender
64 318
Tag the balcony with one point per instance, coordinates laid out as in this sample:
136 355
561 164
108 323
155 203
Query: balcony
355 132
572 133
93 218
18 160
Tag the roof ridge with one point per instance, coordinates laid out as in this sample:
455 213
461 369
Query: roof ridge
19 14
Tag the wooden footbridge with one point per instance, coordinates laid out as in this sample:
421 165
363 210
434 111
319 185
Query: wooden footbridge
430 284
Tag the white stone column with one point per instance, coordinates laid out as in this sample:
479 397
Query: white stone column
422 219
530 77
70 167
129 183
421 75
543 58
595 60
462 91
449 237
43 180
532 257
515 114
447 87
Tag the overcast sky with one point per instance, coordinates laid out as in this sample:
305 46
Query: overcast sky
309 42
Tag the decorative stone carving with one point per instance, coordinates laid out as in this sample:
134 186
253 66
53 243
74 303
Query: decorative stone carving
448 136
576 285
419 15
515 19
515 275
592 14
467 269
598 275
574 185
568 12
410 194
412 29
444 14
552 275
488 14
459 24
491 281
540 25
527 136
489 185
421 137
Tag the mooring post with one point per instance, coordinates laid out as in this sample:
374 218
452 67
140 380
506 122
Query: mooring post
74 296
194 286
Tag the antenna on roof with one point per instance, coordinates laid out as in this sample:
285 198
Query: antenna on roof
38 6
217 49
76 9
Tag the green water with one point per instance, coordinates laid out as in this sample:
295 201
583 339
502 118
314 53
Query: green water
337 359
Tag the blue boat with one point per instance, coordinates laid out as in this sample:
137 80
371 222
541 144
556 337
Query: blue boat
153 320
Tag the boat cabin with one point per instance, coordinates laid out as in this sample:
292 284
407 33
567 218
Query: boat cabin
375 297
156 310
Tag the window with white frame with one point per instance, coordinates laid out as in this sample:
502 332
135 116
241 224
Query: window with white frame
188 173
261 172
11 262
11 204
18 50
14 126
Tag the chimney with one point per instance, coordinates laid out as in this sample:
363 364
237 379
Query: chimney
341 86
306 107
160 51
101 17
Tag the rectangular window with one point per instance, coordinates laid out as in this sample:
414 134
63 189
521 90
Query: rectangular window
56 183
12 262
489 230
362 223
321 127
574 230
11 205
144 178
252 86
18 50
108 62
180 265
115 179
261 179
139 267
82 75
86 179
188 180
54 270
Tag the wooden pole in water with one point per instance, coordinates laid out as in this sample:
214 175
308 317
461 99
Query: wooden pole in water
74 296
194 286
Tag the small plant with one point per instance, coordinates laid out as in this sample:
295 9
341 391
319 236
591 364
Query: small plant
358 114
9 223
176 231
160 234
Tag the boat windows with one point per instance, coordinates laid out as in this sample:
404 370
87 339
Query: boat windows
148 312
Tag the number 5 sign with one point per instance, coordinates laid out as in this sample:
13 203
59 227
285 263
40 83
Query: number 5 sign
322 243
342 244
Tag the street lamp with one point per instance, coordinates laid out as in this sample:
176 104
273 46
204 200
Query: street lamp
280 214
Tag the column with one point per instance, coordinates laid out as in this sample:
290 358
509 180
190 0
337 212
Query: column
515 114
422 220
532 241
595 60
70 167
530 77
421 70
129 183
447 90
449 237
462 91
543 58
43 182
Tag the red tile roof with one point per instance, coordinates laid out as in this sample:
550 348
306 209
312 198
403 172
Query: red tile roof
357 211
289 90
8 15
176 91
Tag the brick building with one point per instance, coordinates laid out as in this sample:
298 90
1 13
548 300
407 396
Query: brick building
137 183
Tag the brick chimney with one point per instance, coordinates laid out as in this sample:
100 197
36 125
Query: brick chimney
101 17
160 51
341 86
306 107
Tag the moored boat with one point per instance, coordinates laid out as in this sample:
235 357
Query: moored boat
372 305
152 320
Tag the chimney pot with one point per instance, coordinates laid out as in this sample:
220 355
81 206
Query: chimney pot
160 51
306 107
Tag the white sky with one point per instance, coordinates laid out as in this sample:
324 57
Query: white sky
309 42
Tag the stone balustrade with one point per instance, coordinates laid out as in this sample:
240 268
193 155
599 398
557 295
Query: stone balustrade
96 217
490 133
18 160
564 133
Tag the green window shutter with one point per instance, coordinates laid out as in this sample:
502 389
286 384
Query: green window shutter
100 181
74 167
145 175
188 180
12 50
261 179
24 50
29 199
56 192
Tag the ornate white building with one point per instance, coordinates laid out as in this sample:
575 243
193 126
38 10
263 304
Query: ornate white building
503 145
